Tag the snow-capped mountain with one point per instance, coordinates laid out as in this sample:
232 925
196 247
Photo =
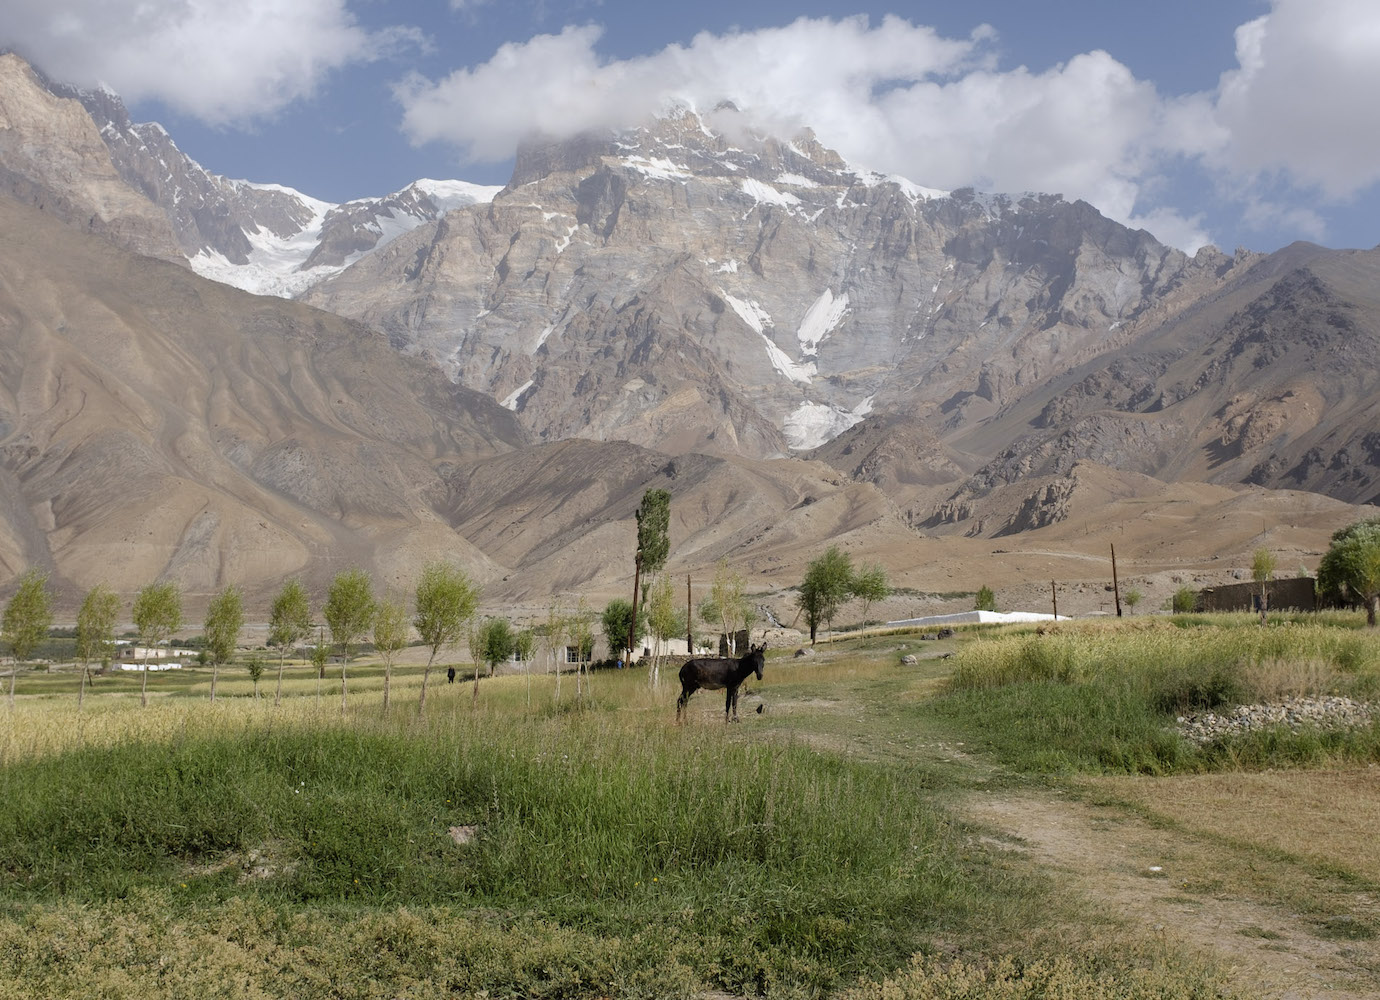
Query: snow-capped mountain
693 285
333 236
264 238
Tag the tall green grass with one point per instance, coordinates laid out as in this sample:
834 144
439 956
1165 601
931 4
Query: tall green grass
1104 698
775 864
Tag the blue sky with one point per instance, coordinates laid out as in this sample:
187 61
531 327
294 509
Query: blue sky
1242 122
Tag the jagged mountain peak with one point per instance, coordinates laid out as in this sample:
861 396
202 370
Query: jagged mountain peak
262 237
681 143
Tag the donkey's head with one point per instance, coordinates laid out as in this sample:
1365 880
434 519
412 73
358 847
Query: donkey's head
756 658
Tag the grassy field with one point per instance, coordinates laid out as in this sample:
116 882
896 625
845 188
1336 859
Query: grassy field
1101 697
530 846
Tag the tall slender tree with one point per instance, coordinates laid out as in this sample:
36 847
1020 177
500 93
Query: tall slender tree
95 631
28 617
320 655
157 614
582 632
390 636
224 620
289 623
653 546
869 585
665 619
729 600
556 625
446 601
349 612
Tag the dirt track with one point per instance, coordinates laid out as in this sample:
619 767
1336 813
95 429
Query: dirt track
1161 880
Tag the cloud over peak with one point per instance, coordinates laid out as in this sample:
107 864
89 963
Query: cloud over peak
223 63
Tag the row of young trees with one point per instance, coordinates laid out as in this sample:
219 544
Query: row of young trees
445 605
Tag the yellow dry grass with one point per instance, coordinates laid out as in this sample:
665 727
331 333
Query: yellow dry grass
1329 817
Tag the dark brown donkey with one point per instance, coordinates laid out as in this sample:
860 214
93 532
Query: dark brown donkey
715 672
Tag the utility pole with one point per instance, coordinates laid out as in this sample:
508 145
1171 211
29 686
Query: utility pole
1116 590
689 619
1055 594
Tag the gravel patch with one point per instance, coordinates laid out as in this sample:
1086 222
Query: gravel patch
1333 712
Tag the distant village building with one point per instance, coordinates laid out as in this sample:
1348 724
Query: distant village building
1295 594
132 652
131 657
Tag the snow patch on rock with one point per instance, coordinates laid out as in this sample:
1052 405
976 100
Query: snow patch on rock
823 316
749 312
658 168
803 373
812 424
514 398
765 194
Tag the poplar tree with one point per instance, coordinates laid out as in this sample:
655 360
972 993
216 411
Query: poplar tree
224 619
95 631
349 612
288 624
157 616
28 616
827 584
390 636
653 546
446 601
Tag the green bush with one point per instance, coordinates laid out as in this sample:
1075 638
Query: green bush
1185 599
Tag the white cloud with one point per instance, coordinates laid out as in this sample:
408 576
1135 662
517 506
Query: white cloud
1304 97
219 62
1300 110
809 72
893 96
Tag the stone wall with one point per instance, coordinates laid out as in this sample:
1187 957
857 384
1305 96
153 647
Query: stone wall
1297 594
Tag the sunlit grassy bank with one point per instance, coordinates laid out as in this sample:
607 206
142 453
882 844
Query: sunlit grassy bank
1103 697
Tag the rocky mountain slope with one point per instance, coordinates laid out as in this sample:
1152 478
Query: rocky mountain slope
804 352
690 286
1273 381
52 157
265 238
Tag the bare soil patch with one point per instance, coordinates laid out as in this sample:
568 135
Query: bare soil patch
1174 884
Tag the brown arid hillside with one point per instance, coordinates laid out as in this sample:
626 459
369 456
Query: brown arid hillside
156 424
1273 381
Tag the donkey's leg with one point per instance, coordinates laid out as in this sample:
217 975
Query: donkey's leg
683 702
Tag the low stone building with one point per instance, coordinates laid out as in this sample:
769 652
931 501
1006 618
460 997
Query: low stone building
1295 594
